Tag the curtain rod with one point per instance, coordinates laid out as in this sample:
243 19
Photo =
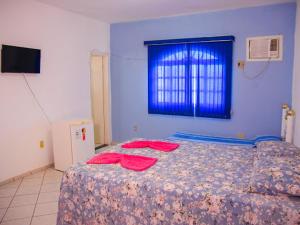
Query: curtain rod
190 40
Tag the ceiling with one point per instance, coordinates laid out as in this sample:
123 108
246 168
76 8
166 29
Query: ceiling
113 11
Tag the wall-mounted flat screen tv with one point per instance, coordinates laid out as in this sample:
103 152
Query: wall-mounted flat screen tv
20 60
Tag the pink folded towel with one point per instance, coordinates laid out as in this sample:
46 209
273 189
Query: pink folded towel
105 158
136 162
156 145
163 146
136 144
131 162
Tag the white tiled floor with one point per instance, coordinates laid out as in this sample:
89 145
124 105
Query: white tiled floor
31 200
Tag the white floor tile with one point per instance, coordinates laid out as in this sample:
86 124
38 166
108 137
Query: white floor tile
4 202
48 197
56 177
44 220
28 190
2 212
50 187
7 192
46 208
31 182
21 200
22 195
52 179
52 172
19 212
17 222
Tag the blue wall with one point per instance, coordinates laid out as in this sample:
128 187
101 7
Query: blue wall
256 104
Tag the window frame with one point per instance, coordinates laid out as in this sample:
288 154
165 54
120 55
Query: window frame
190 107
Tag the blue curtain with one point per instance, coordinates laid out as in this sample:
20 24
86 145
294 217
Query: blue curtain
169 81
212 72
192 78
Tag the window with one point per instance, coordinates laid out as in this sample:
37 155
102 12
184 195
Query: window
190 77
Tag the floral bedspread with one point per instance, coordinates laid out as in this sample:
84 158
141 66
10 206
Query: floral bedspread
198 183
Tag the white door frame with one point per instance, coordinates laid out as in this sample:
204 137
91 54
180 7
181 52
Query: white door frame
107 98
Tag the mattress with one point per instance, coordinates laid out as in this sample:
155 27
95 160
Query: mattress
198 183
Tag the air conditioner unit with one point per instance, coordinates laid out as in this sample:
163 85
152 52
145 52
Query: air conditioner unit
265 48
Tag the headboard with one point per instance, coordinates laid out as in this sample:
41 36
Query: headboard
287 123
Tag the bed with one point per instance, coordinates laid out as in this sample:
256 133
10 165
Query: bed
198 183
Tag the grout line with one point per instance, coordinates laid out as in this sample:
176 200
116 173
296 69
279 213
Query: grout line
37 197
42 203
26 194
15 219
11 200
28 186
49 192
32 172
49 214
18 206
50 201
46 214
36 202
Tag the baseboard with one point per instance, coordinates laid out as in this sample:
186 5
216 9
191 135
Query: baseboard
100 146
26 174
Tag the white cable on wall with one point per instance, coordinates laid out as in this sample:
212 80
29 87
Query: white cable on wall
36 100
264 69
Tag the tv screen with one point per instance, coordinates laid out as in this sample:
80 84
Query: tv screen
20 60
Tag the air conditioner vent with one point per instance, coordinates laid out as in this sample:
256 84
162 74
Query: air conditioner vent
264 48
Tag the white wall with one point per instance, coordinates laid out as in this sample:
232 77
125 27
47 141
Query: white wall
296 81
63 87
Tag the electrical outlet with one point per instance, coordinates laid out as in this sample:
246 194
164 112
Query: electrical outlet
42 144
241 64
135 128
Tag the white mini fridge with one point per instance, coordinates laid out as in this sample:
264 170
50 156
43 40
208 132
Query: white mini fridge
73 141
